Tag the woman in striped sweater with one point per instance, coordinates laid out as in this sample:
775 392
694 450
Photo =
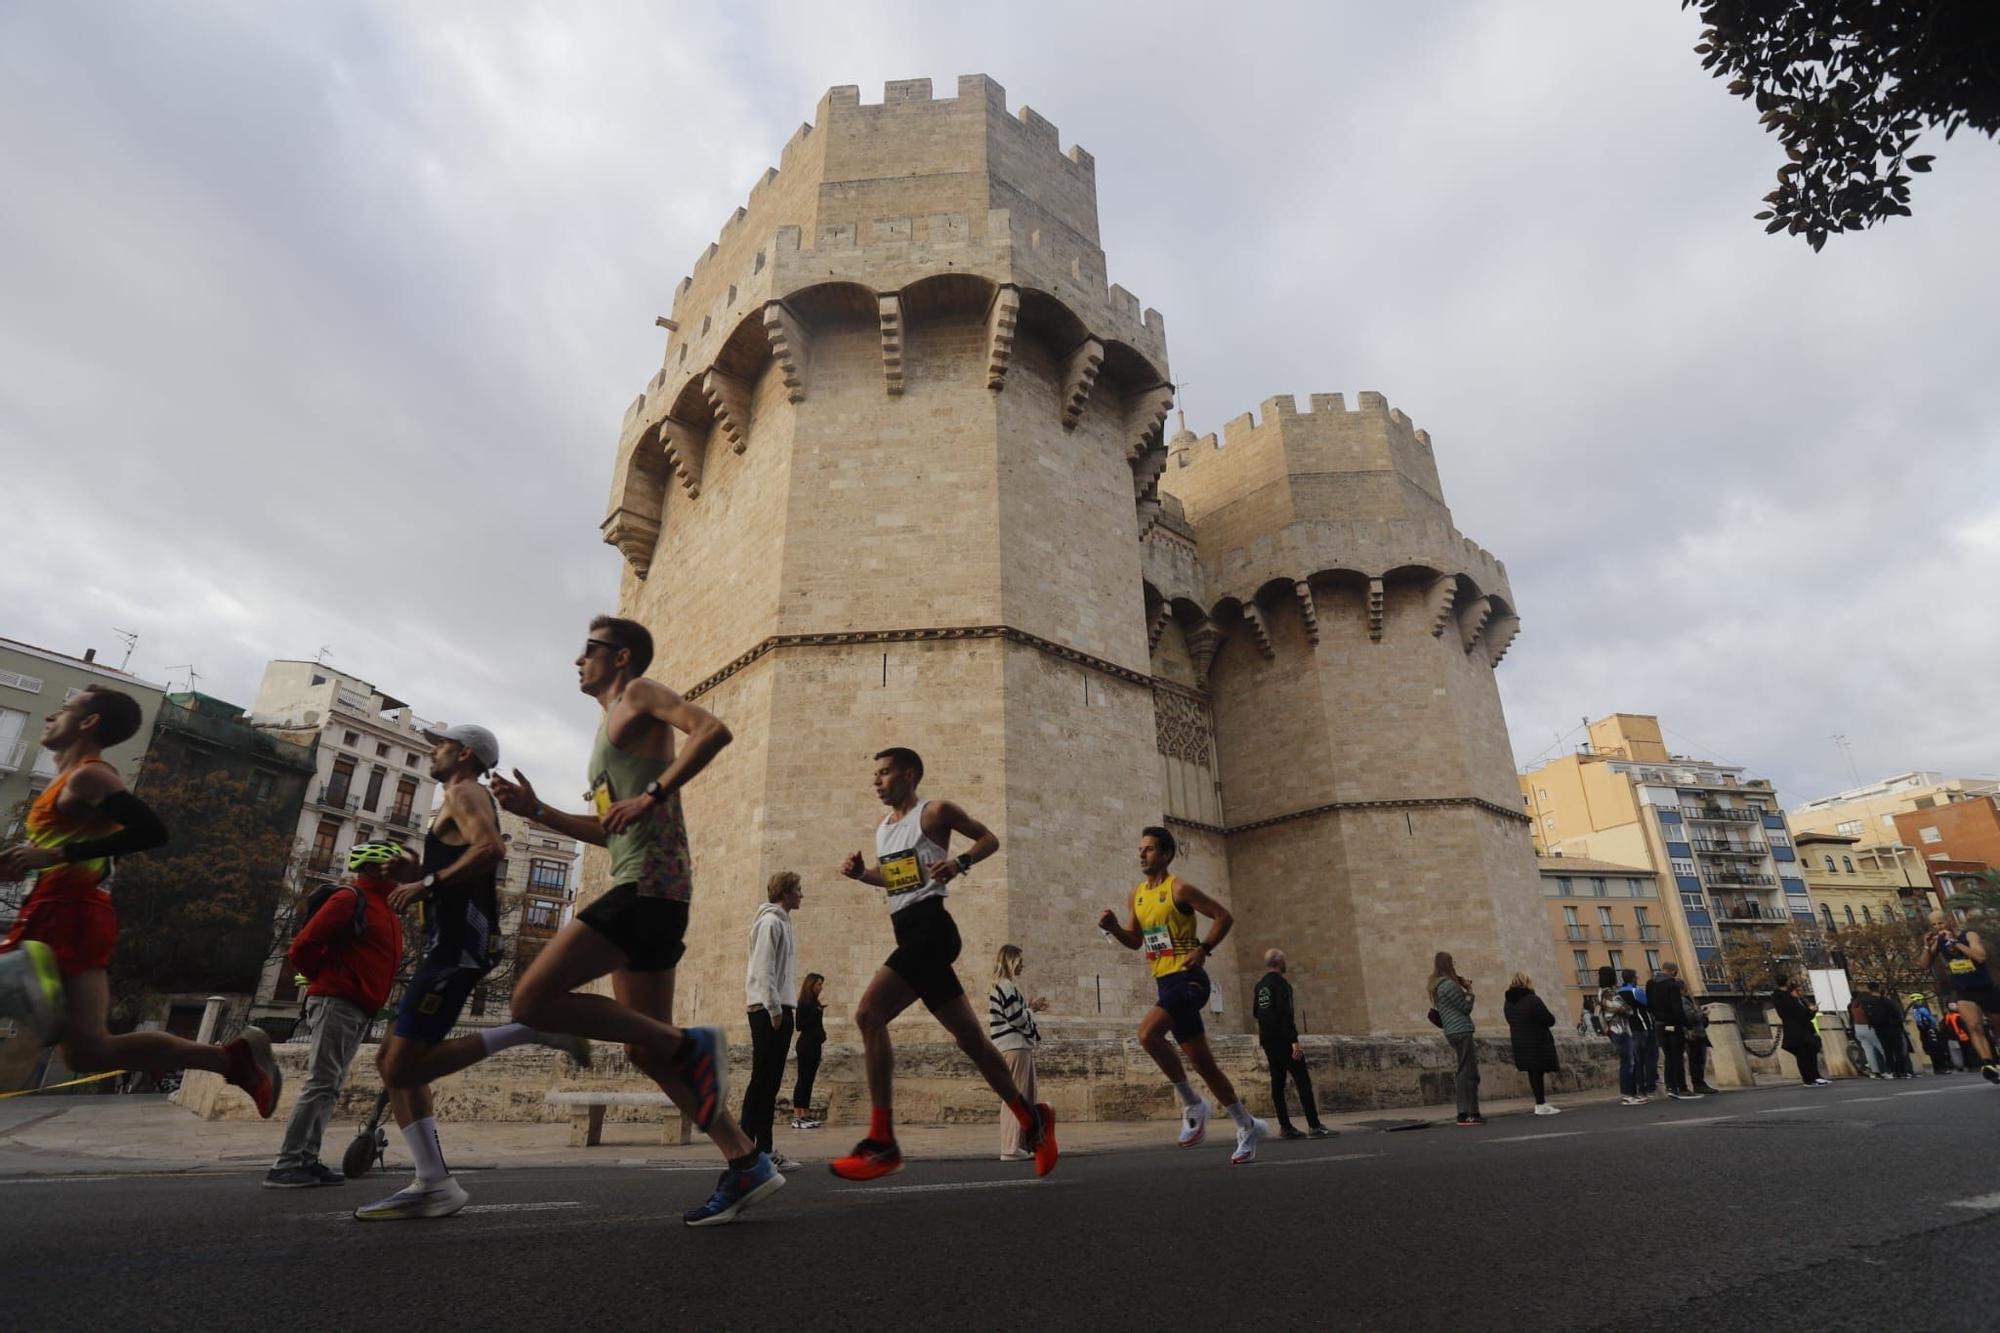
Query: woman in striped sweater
1010 1021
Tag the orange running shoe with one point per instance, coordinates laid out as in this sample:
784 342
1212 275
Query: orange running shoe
1046 1151
253 1069
870 1160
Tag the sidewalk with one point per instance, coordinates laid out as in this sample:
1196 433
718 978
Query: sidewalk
70 1135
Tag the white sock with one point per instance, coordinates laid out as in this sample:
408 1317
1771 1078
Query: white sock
425 1150
506 1035
1241 1115
1185 1091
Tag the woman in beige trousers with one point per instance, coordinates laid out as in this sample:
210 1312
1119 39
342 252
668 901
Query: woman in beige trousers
1010 1022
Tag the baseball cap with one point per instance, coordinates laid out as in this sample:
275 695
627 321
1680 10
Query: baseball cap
484 745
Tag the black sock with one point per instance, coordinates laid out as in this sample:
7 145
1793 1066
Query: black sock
745 1162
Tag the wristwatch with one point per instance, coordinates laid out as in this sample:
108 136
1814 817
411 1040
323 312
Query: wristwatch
964 862
428 882
655 792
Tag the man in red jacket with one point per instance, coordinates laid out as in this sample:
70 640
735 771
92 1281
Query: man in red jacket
348 952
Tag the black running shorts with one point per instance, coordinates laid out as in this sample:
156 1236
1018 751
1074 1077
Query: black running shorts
927 945
434 998
1182 994
651 931
1986 997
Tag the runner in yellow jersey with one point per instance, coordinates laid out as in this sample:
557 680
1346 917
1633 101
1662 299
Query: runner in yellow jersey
1163 924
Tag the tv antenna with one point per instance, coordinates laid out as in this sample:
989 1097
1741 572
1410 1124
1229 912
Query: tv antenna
193 675
325 651
131 638
1847 750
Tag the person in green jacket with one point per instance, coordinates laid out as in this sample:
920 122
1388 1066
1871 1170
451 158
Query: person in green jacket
1451 996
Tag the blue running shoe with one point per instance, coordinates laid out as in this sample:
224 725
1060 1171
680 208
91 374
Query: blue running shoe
735 1191
704 1062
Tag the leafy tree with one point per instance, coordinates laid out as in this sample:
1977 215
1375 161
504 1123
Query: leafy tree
1848 86
1890 952
197 913
1757 958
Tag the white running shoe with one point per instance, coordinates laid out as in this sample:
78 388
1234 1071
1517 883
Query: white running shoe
1194 1124
1247 1139
1631 1101
576 1048
784 1163
31 990
1017 1156
1545 1108
416 1199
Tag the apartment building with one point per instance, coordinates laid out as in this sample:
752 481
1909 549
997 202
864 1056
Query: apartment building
1601 912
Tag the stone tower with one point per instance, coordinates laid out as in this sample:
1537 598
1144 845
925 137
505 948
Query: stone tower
899 482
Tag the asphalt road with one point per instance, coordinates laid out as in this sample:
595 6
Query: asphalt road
1864 1205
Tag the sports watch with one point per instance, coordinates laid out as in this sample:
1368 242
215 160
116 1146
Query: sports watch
655 792
964 862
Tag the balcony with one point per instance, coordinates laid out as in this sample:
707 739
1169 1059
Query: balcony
1649 934
1611 934
1576 934
319 862
1712 847
1586 977
12 757
403 818
336 797
1747 879
1718 815
1746 910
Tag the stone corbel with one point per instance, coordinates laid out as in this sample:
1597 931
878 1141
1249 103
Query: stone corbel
1202 642
684 446
1378 597
890 308
638 497
790 347
1307 611
1438 601
1145 414
1000 321
1146 487
1158 625
1472 622
729 398
1079 378
1253 616
635 535
1500 637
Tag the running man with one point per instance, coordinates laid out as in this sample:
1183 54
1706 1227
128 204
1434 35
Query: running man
1161 922
53 963
912 866
456 882
1970 980
635 931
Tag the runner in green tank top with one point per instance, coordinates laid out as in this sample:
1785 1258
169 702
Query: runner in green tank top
634 930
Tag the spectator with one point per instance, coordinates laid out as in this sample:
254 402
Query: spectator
1647 1033
1695 1022
1875 1059
1929 1034
1010 1022
348 953
1590 1023
1278 1034
1451 999
1885 1016
770 982
1532 1028
1954 1028
1618 1013
812 1040
1800 1038
1666 1000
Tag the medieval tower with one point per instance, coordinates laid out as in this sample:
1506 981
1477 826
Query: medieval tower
904 480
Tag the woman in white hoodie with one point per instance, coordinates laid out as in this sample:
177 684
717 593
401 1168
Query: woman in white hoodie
1010 1021
769 984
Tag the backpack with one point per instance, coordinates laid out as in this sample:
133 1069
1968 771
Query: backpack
324 894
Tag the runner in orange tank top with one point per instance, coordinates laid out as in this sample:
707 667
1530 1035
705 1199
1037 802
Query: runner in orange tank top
53 963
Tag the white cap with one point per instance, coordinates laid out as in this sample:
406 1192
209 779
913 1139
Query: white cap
484 745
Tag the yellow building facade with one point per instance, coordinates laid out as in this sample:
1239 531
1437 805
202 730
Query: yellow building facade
1601 912
1849 886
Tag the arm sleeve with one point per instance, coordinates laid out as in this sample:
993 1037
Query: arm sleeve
139 830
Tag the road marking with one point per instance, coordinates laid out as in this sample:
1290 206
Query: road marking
470 1209
1534 1138
944 1188
1856 1101
1937 1092
1780 1110
1316 1161
1691 1120
1983 1202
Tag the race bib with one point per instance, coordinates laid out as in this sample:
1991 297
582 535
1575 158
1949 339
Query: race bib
601 799
901 871
1962 966
1158 944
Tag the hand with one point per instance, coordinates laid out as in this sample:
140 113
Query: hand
628 812
516 797
1298 1053
1108 920
1201 949
16 862
400 899
944 871
1041 1003
852 866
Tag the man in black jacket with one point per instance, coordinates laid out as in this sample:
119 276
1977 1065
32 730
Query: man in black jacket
1886 1017
1666 996
1278 1032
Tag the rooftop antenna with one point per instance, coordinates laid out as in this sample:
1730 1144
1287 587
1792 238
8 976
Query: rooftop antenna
325 651
1847 750
188 667
131 638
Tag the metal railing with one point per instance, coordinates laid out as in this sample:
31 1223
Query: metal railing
1749 911
1748 879
319 861
336 798
1718 815
402 818
1586 977
1578 933
1712 847
1650 934
1611 934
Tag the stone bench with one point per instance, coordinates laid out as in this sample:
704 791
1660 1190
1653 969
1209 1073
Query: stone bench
586 1115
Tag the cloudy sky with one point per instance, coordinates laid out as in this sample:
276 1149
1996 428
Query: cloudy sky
317 323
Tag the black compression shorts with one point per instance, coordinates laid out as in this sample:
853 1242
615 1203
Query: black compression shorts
927 944
651 931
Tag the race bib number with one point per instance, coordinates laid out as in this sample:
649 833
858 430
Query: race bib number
1962 966
601 799
1158 944
901 872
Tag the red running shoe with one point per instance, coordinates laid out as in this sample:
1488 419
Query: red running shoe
253 1069
870 1160
1046 1151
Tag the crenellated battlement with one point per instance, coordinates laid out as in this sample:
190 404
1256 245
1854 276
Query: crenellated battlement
1322 408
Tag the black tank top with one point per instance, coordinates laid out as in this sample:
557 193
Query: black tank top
462 919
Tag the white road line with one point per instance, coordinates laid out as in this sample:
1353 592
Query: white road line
1316 1161
1691 1120
1937 1092
1534 1138
1780 1110
944 1188
1983 1202
470 1209
1856 1101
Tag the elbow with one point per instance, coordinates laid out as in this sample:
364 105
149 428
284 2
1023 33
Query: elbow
719 736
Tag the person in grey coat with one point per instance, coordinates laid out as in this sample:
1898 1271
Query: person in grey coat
1451 1001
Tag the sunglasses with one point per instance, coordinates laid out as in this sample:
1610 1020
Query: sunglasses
589 644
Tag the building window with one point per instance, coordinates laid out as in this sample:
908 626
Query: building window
262 784
1683 867
1703 936
541 915
1693 902
350 738
13 739
549 876
1829 863
374 795
1847 864
410 759
1636 888
1652 960
1930 835
1867 917
324 838
1582 957
1850 915
1827 913
318 679
1618 960
1598 888
1604 917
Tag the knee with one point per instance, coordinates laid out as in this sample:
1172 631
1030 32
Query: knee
394 1067
869 1022
529 1005
86 1055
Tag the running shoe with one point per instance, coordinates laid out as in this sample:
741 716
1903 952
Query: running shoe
439 1199
704 1062
1631 1101
323 1174
289 1178
870 1160
1546 1108
1247 1138
1045 1148
1990 1072
1322 1132
253 1069
31 990
1291 1132
1820 1083
1017 1156
784 1163
1707 1091
735 1191
1194 1124
575 1047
